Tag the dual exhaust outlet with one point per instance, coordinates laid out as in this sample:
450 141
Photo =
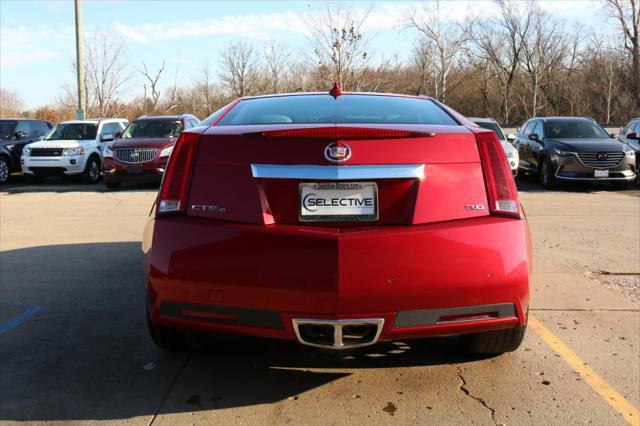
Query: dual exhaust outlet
338 334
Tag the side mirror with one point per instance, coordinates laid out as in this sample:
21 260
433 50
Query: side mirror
116 135
511 137
107 137
534 137
20 135
634 136
613 135
41 137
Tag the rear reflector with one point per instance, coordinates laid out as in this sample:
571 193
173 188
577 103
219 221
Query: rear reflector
501 189
336 132
174 188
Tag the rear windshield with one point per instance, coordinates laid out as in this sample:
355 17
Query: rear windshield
73 131
574 129
153 129
6 128
312 109
491 126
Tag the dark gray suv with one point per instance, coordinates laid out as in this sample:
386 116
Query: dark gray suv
573 149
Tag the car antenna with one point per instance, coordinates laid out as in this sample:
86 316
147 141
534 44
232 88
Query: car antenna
335 91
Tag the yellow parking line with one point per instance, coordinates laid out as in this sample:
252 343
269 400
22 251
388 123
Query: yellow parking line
602 388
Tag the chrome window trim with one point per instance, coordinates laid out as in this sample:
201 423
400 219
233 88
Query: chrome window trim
285 171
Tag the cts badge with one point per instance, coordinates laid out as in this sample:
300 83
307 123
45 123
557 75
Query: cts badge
474 207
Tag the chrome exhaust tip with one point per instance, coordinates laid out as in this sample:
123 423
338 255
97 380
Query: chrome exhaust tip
338 334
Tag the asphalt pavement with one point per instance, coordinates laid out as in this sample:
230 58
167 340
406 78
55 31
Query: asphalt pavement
74 346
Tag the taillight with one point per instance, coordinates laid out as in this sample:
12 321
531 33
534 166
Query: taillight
175 183
501 189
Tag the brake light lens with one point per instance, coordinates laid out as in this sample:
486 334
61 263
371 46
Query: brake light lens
175 182
336 132
501 189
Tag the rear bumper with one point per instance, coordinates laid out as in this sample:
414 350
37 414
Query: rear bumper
427 280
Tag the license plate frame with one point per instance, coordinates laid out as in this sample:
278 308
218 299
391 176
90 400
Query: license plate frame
330 213
598 173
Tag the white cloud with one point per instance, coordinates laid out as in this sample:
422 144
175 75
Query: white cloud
23 46
260 26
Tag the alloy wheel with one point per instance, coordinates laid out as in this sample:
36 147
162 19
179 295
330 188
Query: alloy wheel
94 170
544 173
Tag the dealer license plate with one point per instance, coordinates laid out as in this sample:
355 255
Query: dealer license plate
601 173
338 202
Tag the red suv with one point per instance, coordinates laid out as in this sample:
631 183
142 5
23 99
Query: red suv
141 152
339 221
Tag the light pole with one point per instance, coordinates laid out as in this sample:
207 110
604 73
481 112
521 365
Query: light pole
79 61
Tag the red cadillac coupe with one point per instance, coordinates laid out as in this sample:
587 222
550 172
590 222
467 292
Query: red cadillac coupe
339 220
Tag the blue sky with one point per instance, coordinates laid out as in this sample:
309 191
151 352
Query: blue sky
37 44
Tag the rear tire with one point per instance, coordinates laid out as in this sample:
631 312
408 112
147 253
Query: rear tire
167 338
33 179
91 172
5 170
495 342
112 185
547 174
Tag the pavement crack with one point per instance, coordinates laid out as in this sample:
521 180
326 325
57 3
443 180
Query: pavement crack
166 395
463 388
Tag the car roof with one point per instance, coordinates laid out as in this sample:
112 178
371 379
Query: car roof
280 95
24 119
165 117
562 118
93 120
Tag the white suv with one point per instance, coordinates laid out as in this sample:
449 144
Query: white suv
71 148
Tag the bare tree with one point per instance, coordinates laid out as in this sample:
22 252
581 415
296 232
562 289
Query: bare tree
10 103
339 45
627 13
276 57
501 41
543 52
153 79
107 72
239 68
423 59
447 39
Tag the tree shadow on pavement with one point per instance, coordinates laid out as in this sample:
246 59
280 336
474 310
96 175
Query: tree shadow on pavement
87 354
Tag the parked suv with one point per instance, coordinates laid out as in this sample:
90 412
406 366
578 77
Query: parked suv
509 150
573 149
71 148
630 135
141 152
15 133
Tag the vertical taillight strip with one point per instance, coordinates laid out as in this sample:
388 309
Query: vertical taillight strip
501 189
175 183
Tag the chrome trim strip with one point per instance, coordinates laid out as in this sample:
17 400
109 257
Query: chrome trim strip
391 171
337 325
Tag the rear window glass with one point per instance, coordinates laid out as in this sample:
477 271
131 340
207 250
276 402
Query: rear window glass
6 129
314 109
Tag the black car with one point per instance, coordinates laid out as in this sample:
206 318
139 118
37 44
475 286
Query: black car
573 149
15 133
